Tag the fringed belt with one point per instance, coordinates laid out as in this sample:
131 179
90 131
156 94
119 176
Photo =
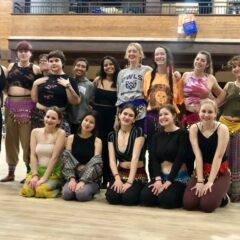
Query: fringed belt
20 109
140 174
208 166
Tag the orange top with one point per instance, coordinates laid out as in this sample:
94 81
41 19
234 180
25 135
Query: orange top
160 92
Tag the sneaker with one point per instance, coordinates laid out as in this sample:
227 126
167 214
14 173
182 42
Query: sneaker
225 201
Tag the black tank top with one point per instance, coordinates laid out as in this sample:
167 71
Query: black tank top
83 148
208 145
105 97
21 76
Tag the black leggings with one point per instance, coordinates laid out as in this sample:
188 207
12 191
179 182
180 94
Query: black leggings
169 198
130 197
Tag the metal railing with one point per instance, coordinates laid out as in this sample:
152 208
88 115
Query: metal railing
111 7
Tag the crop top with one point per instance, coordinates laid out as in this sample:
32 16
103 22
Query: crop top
2 80
208 145
83 148
195 90
127 155
232 105
51 93
105 97
44 153
169 146
21 76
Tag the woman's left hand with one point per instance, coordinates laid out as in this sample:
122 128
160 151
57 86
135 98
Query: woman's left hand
41 181
64 82
165 185
207 187
126 186
81 184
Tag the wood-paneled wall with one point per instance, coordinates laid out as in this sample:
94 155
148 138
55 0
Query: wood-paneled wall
209 27
215 27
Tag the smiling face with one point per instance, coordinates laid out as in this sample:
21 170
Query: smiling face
236 69
133 55
127 117
51 119
108 67
207 112
166 118
88 124
24 55
80 69
160 56
200 62
55 65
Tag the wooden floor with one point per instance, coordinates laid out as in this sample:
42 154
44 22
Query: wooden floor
50 219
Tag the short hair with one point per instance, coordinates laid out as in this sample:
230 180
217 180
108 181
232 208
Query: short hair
41 56
24 45
57 54
81 60
233 61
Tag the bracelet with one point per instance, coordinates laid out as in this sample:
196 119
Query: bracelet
129 182
116 175
35 175
200 181
67 85
158 180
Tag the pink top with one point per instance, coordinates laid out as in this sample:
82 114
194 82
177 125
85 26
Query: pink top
195 90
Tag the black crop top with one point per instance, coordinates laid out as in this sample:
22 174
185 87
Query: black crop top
127 155
51 93
208 145
105 97
83 148
2 80
169 146
21 76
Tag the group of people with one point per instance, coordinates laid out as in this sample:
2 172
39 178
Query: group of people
114 122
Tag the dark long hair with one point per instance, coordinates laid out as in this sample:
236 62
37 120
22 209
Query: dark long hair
169 67
102 75
95 130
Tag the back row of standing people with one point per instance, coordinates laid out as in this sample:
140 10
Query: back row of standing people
147 89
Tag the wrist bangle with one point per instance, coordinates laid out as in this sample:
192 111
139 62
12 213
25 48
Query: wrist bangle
116 175
35 175
158 180
129 182
200 181
67 85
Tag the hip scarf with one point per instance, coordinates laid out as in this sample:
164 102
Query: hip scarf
141 174
20 109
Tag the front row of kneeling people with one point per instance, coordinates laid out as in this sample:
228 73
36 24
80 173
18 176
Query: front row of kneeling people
172 150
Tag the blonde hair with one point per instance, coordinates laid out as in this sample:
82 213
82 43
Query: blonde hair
211 102
139 48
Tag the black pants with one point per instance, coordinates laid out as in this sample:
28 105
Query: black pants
169 198
130 197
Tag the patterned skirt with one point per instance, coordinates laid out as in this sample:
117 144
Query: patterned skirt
50 189
233 155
